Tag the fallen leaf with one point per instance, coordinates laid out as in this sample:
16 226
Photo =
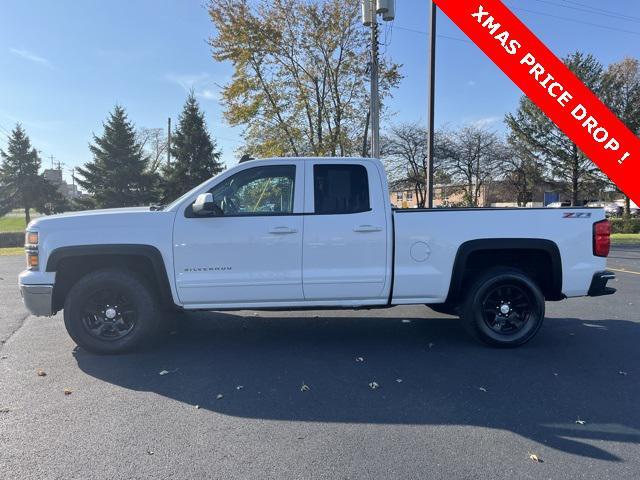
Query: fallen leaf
239 387
41 373
623 373
399 380
482 389
305 388
580 422
404 320
219 396
164 372
359 359
555 374
67 391
535 458
150 452
431 345
374 385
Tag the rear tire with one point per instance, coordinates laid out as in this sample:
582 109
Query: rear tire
504 308
111 311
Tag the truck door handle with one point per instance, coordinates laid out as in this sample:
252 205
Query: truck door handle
367 228
282 230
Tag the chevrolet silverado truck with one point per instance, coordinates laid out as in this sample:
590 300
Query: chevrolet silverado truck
308 233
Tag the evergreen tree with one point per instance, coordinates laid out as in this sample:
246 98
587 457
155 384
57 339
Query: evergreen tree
118 176
534 132
194 153
20 184
621 92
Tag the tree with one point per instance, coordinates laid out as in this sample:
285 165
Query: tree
20 184
522 171
405 153
473 158
118 176
621 92
300 73
533 131
194 153
154 143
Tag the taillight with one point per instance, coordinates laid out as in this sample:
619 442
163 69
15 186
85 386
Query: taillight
601 238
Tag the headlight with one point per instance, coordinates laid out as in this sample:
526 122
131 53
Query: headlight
31 238
31 241
33 260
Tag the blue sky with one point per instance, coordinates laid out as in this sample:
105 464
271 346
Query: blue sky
64 64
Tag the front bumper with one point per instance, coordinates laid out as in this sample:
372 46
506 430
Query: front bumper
38 299
599 284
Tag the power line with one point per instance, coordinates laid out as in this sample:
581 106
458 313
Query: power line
593 11
573 20
423 32
602 10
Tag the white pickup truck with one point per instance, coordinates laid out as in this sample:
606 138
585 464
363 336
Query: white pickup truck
289 233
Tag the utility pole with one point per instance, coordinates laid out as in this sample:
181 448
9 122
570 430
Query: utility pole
374 96
52 158
169 141
370 11
431 105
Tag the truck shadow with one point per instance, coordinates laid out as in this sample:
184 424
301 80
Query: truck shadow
428 371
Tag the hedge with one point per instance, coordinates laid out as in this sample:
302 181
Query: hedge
621 225
11 239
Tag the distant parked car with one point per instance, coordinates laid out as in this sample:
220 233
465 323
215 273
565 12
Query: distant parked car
613 210
559 205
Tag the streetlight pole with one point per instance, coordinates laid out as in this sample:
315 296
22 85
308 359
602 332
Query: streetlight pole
431 101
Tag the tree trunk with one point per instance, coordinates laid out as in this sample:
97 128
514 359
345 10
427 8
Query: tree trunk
366 132
27 215
627 207
574 177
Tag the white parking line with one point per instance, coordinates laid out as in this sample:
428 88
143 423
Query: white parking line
624 271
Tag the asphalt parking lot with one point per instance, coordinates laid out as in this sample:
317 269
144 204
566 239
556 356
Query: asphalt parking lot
231 405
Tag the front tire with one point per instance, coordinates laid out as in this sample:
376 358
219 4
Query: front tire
504 308
110 311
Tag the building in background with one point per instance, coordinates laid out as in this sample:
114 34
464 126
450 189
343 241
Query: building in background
54 176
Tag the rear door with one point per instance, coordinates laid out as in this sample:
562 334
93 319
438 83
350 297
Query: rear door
345 232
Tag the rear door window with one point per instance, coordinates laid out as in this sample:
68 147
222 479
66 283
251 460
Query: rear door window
340 189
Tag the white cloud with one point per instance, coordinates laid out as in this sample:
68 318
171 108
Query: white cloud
200 83
32 57
208 94
485 122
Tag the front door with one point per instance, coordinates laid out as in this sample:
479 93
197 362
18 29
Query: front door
251 251
345 235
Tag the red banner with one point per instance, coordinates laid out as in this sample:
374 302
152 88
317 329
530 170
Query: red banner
546 80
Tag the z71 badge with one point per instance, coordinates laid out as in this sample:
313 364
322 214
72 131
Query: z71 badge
576 215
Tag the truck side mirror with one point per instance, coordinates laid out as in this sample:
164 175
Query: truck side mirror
204 205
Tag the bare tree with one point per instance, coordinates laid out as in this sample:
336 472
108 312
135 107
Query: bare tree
154 143
405 152
473 159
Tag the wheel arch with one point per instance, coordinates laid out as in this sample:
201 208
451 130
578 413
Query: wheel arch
73 262
508 252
